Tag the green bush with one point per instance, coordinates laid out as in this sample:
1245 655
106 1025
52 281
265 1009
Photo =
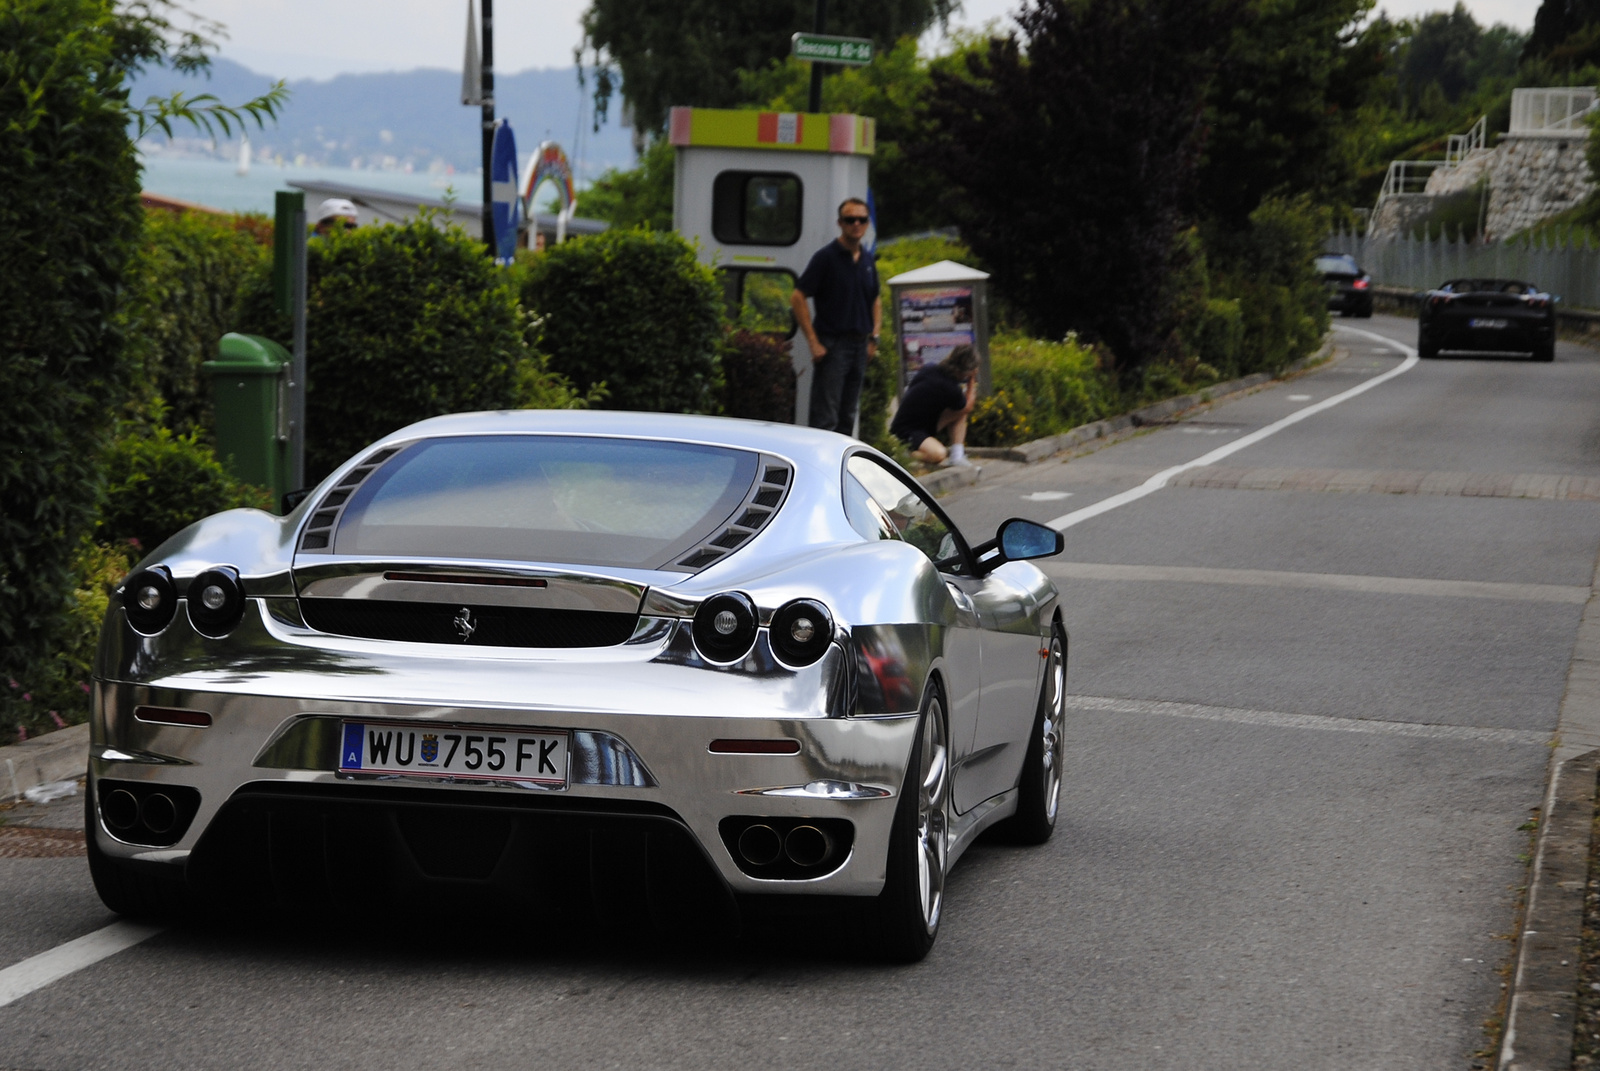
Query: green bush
55 693
1219 333
159 483
1270 270
183 291
403 323
758 377
1040 388
69 220
634 310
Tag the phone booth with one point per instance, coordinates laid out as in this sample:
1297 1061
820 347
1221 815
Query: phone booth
760 192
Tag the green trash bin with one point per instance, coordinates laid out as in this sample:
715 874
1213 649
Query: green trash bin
250 385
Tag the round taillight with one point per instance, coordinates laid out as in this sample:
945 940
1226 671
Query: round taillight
800 632
725 628
149 598
216 601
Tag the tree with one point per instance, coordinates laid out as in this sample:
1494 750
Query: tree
891 90
1070 154
640 197
1565 32
1286 98
69 222
663 53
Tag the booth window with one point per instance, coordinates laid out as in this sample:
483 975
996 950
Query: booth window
756 208
758 299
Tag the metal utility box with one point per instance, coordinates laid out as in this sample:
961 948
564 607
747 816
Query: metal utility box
934 310
759 192
249 383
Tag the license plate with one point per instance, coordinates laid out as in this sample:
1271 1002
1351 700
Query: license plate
457 752
1496 324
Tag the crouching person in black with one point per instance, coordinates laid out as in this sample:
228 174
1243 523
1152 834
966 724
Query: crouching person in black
938 400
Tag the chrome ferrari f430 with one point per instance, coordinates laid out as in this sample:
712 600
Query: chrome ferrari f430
650 663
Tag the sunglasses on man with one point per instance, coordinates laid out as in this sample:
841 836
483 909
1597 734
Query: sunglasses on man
855 221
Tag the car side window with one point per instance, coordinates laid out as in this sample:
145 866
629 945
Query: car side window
906 508
864 514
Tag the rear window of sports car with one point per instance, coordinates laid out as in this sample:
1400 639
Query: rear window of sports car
567 499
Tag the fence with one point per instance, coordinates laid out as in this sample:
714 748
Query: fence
1556 112
1567 268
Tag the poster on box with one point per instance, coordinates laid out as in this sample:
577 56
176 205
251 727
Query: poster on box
933 321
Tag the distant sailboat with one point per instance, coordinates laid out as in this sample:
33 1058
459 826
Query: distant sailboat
244 157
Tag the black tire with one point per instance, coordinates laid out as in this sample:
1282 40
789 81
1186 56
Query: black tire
1039 789
1427 350
1366 312
1546 353
909 908
135 890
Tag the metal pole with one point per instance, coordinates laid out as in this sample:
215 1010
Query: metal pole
818 25
486 87
297 364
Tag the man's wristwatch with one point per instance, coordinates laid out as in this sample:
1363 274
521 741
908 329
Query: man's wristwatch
872 339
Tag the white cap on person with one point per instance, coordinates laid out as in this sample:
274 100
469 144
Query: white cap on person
335 207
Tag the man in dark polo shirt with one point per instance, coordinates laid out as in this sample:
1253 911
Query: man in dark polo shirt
842 279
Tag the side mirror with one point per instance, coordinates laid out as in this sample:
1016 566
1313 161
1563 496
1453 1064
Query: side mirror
1018 540
1021 540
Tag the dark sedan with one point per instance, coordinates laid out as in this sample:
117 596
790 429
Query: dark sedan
1349 288
1488 315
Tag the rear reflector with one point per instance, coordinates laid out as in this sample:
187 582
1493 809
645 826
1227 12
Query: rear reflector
171 716
755 747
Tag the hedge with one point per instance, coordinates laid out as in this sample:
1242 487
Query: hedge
69 220
634 310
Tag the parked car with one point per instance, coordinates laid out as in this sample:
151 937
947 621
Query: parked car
1488 315
1349 288
665 665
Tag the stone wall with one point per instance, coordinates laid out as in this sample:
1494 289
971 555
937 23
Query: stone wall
1533 178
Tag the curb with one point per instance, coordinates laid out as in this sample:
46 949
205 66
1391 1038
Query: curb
59 756
1542 1003
940 481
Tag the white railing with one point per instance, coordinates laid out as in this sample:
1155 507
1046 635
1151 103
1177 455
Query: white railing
1409 178
1461 146
1552 112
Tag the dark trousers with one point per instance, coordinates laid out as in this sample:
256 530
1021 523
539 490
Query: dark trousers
836 383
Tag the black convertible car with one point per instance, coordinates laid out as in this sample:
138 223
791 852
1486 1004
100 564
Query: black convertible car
1488 315
1349 288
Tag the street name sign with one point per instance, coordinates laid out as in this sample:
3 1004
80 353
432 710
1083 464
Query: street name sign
821 48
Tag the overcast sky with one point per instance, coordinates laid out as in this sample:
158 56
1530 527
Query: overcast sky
322 38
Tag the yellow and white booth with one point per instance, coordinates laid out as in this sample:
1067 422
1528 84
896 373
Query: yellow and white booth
760 192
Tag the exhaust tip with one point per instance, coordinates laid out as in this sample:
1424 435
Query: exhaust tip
158 813
760 845
807 846
120 810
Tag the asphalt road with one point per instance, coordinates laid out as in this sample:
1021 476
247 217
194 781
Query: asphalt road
1312 692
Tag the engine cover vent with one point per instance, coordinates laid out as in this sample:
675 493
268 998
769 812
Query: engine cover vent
317 536
752 515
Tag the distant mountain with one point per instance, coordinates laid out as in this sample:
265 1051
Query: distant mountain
403 118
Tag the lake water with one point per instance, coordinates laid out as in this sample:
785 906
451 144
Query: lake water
215 184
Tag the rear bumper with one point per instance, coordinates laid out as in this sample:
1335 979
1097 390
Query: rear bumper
636 772
1519 335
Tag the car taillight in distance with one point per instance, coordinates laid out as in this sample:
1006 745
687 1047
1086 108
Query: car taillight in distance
1361 284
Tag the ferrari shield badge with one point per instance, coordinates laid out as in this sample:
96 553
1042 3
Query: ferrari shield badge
464 624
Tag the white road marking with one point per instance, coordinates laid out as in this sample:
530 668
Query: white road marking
1047 496
1299 397
36 972
1159 480
1272 578
1279 720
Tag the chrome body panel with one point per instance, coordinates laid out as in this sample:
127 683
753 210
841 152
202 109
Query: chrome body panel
642 712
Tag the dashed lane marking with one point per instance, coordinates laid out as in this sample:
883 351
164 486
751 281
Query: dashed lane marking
1270 578
1317 722
1160 479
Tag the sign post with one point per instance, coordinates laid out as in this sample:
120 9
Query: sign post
289 295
